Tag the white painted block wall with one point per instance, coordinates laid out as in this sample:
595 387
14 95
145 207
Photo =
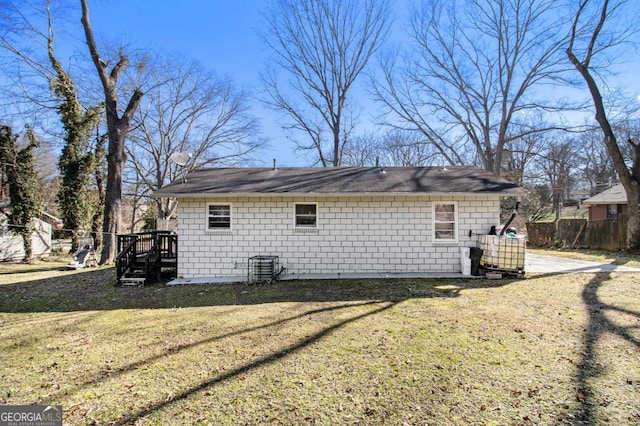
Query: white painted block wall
362 234
12 246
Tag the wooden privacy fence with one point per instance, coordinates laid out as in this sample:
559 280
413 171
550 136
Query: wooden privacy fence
600 234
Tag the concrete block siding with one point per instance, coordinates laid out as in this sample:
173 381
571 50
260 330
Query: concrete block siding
355 234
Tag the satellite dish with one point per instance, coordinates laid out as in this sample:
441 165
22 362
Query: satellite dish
180 158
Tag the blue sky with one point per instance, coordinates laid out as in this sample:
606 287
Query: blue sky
220 34
223 36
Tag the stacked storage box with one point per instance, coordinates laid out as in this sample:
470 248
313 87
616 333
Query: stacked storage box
502 253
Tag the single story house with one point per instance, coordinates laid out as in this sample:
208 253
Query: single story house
608 204
333 220
12 245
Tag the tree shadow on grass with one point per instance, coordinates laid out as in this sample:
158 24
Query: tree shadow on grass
95 290
258 362
128 367
28 269
592 365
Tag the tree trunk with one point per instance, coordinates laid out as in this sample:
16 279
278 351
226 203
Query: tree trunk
28 246
110 227
633 224
117 126
96 228
556 203
113 201
166 207
630 178
75 241
97 221
336 145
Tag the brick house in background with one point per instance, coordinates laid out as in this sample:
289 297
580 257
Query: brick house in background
608 204
333 220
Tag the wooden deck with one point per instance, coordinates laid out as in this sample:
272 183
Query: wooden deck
144 257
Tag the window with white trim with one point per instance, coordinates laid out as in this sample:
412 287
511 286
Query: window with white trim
445 222
306 215
218 217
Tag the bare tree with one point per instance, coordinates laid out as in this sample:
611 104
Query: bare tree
596 167
117 129
472 74
136 198
188 110
75 160
399 148
405 148
595 30
45 157
536 205
362 151
28 36
558 161
25 74
519 155
322 46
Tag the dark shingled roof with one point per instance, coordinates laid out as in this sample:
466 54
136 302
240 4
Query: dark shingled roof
341 180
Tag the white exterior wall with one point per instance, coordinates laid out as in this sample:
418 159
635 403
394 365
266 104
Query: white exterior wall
12 246
355 234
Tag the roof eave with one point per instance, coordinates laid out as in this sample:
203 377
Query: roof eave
605 202
514 192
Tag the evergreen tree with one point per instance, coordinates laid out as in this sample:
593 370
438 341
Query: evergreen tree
22 180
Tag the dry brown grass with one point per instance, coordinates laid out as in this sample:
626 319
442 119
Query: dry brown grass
604 256
544 350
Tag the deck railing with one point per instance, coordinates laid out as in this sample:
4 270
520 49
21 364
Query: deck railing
126 255
168 245
153 248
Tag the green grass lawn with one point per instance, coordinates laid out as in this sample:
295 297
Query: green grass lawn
549 350
566 213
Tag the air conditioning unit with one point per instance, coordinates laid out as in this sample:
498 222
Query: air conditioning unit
263 269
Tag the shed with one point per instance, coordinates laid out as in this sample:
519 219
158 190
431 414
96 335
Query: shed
608 204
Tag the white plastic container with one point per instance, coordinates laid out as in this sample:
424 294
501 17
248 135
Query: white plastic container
465 262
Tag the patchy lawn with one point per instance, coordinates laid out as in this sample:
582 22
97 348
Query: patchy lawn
558 349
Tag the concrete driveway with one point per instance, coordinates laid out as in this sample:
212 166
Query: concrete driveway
537 263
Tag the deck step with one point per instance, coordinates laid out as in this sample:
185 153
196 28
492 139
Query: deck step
132 281
135 271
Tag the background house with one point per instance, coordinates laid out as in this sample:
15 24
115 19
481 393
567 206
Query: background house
333 220
608 204
12 246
